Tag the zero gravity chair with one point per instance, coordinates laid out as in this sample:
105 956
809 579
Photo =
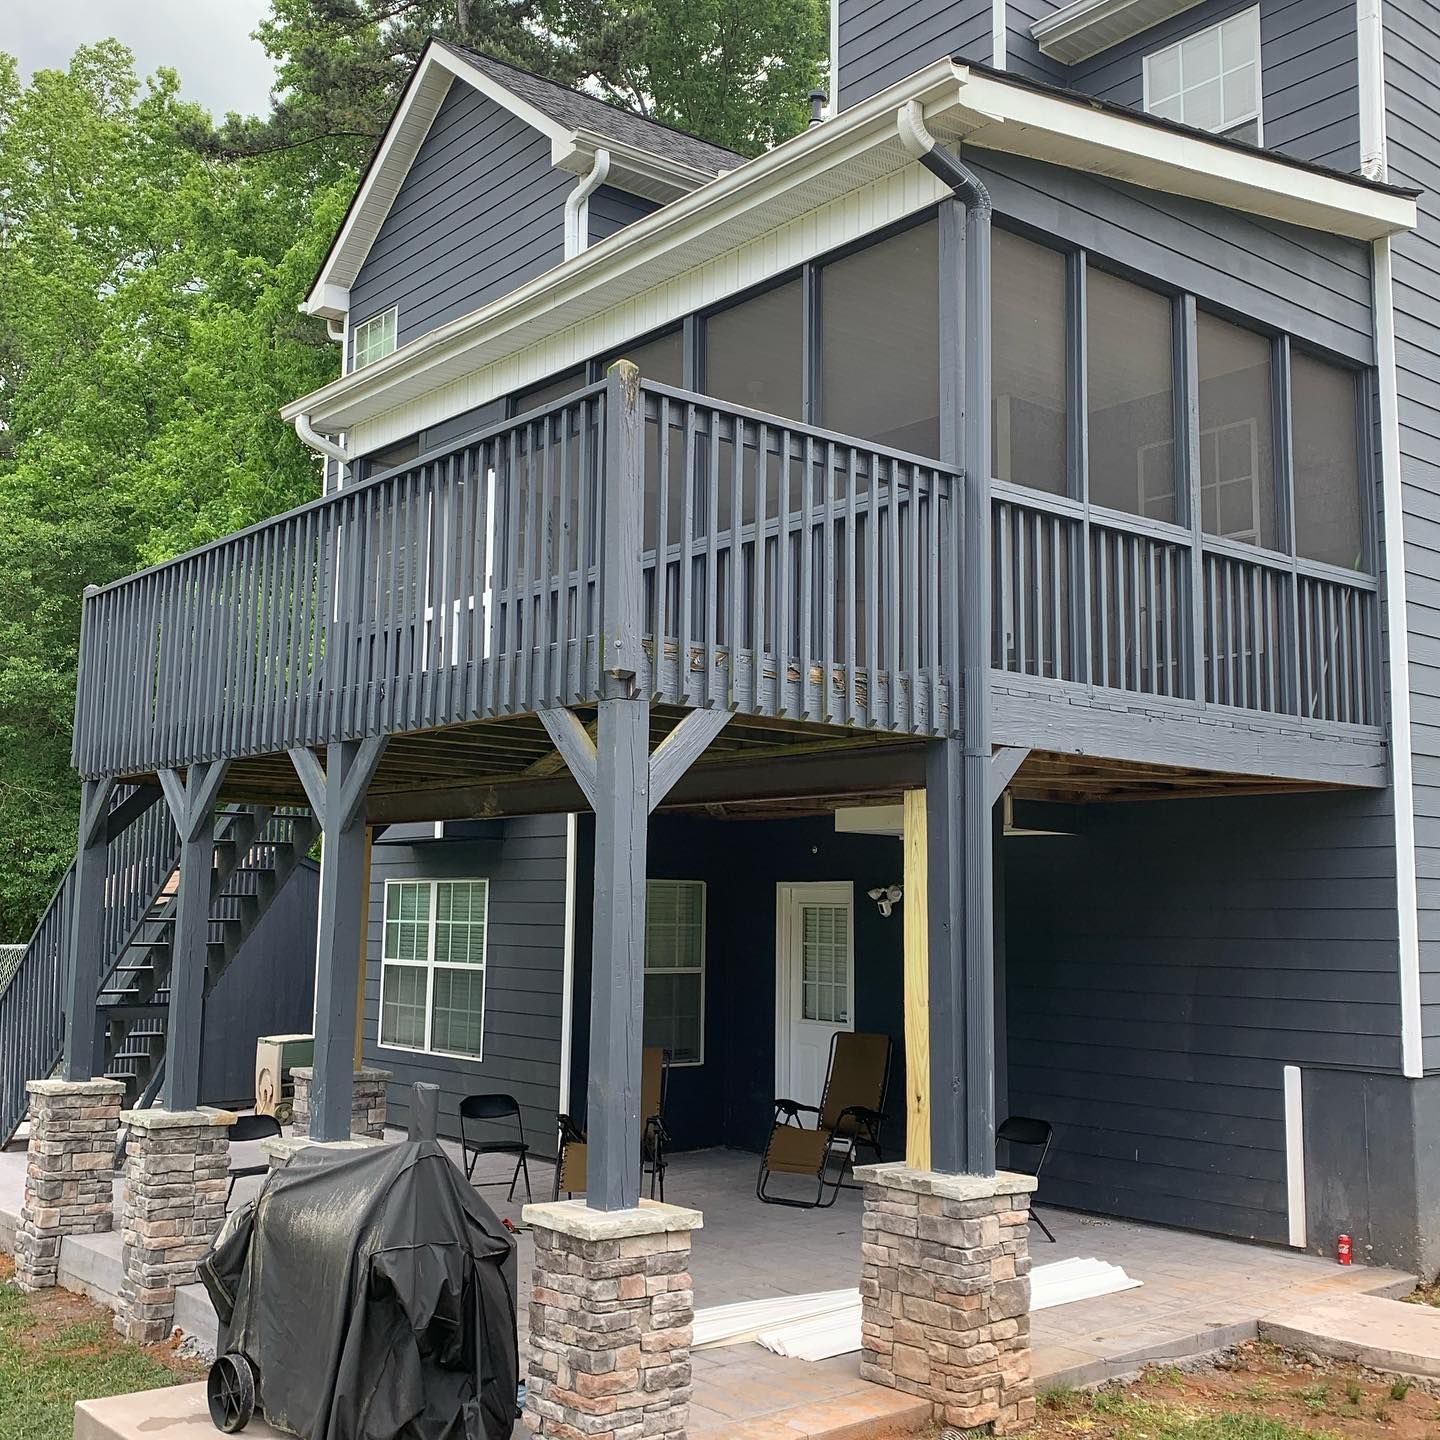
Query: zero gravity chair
571 1167
848 1119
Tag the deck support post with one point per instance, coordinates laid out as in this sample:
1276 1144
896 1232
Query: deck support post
84 1040
337 796
192 805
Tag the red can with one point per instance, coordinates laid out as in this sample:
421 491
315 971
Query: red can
1342 1250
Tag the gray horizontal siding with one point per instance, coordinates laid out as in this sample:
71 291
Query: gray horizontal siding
1023 55
1314 285
525 957
1309 75
1163 966
882 41
612 210
480 212
1412 41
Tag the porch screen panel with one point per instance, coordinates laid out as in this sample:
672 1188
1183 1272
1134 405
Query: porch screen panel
825 963
675 969
1131 398
1030 406
1326 433
754 352
880 342
1237 436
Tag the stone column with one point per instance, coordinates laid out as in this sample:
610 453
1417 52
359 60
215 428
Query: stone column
945 1292
70 1172
176 1176
368 1107
611 1315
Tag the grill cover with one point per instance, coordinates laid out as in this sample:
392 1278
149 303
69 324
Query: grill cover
373 1292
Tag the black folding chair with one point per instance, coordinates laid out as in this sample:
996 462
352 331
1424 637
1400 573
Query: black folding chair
494 1110
1029 1142
250 1127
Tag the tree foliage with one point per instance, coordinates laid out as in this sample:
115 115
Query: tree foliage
151 265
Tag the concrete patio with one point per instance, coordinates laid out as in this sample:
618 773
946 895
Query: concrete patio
1198 1294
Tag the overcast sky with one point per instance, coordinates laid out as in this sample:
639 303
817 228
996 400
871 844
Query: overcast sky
207 41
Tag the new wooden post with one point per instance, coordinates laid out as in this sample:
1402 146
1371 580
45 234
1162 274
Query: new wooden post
916 911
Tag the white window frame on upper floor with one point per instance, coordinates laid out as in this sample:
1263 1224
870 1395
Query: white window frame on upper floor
366 351
1171 103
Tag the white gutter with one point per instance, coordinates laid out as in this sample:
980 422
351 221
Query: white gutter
577 205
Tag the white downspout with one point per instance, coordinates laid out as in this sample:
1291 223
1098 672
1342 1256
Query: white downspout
577 205
321 444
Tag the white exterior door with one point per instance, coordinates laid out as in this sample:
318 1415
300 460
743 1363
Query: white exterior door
814 983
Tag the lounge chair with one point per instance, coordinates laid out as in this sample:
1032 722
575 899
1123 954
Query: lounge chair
571 1164
1028 1142
848 1119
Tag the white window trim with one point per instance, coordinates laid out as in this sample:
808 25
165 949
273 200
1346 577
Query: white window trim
687 969
1252 18
431 965
358 332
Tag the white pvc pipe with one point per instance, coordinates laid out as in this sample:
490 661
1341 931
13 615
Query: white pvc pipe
577 205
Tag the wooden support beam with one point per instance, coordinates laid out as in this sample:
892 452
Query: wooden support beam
192 805
680 749
337 795
84 1041
575 747
1004 764
916 915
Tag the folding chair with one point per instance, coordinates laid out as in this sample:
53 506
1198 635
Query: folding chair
571 1164
849 1118
250 1127
494 1110
1029 1142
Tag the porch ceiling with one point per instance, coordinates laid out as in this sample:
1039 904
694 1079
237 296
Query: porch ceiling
755 766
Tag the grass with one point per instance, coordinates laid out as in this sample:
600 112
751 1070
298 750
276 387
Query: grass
1400 1389
1123 1415
56 1349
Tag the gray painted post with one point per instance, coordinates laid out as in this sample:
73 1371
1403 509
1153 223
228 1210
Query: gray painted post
84 1041
338 798
192 803
622 810
958 774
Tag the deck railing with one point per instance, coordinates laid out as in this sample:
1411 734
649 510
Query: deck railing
1256 630
782 569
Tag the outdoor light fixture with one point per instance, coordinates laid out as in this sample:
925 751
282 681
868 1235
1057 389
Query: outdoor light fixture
887 897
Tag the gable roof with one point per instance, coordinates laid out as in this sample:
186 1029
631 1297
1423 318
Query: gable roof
646 158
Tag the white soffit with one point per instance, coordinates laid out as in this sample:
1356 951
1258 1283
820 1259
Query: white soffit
1084 28
830 162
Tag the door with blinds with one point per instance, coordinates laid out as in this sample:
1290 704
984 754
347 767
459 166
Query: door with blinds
815 983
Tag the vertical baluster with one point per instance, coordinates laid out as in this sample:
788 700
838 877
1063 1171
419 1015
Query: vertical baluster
932 628
892 609
492 543
872 590
1103 606
302 655
467 603
1020 553
736 589
806 616
1002 599
782 577
1331 655
687 554
567 624
758 628
829 582
850 710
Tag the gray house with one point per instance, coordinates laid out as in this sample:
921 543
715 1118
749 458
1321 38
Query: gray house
1019 489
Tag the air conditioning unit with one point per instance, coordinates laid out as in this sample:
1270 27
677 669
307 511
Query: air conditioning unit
275 1056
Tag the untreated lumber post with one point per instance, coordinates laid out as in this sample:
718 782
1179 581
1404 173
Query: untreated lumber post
916 912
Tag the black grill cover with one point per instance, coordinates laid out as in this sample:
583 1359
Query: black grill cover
373 1292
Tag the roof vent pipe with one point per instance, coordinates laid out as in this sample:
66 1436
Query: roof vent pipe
577 205
818 100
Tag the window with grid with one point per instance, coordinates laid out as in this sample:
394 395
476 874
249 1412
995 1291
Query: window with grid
375 337
675 969
432 966
1210 79
825 963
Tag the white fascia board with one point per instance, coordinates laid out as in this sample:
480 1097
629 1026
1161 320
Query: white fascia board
638 171
1084 28
1062 130
812 168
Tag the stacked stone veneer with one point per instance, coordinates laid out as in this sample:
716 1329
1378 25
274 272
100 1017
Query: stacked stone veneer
69 1177
611 1318
176 1175
367 1108
945 1292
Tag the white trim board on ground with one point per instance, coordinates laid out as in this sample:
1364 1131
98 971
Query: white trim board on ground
825 1324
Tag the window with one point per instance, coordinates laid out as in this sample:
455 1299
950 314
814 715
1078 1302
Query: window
754 350
1211 79
432 966
880 342
825 963
1326 426
375 337
1237 444
1131 396
675 969
1030 407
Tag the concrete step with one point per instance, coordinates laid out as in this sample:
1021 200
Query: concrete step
180 1410
1385 1335
861 1415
